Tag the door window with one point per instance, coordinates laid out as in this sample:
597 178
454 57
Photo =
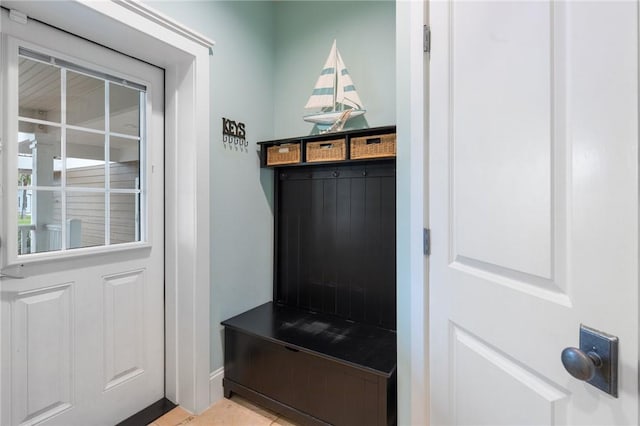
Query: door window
80 157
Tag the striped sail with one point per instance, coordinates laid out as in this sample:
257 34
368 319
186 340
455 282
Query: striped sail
346 91
323 95
334 86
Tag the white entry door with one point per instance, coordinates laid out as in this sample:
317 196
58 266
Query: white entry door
82 308
533 208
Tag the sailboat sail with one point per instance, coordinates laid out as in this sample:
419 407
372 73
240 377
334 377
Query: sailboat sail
334 92
323 95
346 91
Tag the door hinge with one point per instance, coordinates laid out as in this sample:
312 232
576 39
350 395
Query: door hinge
427 39
426 241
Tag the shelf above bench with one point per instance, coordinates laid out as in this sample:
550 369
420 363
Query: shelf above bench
341 147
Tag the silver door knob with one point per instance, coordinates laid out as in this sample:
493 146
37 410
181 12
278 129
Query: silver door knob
580 364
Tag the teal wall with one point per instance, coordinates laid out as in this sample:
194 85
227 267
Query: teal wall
265 63
305 30
241 192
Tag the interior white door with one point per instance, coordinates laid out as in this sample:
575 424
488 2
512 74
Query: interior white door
533 208
83 330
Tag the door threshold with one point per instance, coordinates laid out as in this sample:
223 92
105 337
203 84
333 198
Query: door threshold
149 414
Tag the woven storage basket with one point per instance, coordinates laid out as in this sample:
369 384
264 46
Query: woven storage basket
373 146
283 154
326 151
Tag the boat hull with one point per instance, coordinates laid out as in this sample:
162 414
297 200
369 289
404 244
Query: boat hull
329 118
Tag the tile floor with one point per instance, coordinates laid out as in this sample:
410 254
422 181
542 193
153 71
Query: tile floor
227 412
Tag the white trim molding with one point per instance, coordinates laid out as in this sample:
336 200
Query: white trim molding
412 72
216 393
163 20
141 32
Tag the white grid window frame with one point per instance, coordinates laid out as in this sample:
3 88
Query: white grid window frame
139 191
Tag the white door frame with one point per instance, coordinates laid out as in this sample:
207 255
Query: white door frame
137 30
412 212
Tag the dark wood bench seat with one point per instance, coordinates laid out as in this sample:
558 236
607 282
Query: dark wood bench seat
315 368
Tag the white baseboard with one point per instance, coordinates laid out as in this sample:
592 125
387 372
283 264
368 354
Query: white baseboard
215 385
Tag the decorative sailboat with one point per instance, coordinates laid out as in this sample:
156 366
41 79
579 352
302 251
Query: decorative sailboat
335 94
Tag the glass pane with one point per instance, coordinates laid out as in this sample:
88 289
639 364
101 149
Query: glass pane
38 155
25 227
39 215
125 163
85 159
85 101
88 147
125 218
124 106
39 90
85 219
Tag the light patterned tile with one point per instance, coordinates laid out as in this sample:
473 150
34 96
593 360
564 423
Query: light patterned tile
175 417
235 412
255 408
229 413
282 421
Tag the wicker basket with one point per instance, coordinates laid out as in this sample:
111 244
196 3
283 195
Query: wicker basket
283 154
326 151
377 146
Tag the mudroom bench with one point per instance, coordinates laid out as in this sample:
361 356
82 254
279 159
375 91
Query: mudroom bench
324 351
312 367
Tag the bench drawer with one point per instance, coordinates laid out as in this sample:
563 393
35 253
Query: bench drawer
324 389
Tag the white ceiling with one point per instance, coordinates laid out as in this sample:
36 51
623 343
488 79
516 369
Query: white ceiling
40 98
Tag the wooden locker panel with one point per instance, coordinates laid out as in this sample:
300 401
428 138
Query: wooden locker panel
335 234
